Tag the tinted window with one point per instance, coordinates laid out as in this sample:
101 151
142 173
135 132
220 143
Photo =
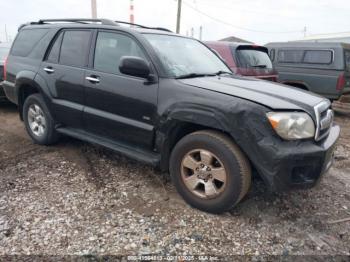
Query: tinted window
55 50
74 49
318 57
272 54
253 58
347 60
110 47
290 56
27 40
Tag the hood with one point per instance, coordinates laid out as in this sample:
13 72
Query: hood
270 94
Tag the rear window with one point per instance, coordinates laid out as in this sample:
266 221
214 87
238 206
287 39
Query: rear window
318 57
290 56
250 57
347 60
3 52
26 41
74 49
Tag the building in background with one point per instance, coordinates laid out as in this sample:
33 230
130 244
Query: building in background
343 37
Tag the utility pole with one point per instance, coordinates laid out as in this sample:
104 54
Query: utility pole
6 36
132 18
93 9
304 31
192 32
200 32
178 20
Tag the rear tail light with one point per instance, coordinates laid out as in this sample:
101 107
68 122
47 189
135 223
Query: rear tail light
5 66
341 82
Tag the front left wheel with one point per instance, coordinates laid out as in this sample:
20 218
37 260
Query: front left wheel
210 171
38 121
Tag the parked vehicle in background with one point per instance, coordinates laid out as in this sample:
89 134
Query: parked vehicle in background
169 101
4 50
245 59
323 68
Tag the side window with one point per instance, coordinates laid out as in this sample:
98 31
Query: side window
347 60
75 47
290 56
110 48
318 57
27 40
55 50
272 54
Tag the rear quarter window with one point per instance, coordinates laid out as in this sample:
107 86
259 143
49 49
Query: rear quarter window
347 60
27 40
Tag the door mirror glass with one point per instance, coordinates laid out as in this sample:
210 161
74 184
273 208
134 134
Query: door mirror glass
134 66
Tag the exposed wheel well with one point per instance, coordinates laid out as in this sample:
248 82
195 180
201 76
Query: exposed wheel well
180 130
298 85
24 92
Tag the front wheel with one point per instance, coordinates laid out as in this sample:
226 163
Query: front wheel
210 171
38 121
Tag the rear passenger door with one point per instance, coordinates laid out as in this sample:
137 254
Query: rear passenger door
119 107
64 71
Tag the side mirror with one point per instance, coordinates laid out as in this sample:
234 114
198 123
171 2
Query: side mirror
134 66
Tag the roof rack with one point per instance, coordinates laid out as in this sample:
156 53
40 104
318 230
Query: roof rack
88 20
142 26
77 20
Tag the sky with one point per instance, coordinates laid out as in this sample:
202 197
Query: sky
259 21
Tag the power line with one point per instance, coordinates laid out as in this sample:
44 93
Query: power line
234 26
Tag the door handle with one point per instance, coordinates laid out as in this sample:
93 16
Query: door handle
49 69
93 79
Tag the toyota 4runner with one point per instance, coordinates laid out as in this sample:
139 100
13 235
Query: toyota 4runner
169 101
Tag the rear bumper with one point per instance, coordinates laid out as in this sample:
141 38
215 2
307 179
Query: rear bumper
2 92
300 166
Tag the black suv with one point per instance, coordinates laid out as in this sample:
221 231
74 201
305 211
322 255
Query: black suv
169 101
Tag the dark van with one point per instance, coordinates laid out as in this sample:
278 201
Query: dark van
245 59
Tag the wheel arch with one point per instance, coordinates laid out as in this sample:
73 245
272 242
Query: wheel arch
182 122
298 84
27 83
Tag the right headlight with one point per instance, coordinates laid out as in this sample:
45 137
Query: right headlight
292 125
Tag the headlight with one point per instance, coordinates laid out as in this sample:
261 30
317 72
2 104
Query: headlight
292 125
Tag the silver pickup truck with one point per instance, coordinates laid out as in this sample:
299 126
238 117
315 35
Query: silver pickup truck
322 68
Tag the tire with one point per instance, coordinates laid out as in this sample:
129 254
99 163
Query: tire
35 110
194 181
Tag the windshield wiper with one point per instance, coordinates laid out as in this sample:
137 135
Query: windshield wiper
193 75
221 72
259 66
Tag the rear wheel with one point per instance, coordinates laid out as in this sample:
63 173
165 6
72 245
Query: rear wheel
210 171
38 121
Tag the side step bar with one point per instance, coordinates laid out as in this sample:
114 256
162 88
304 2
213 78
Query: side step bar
138 154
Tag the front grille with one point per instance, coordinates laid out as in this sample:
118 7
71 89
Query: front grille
324 119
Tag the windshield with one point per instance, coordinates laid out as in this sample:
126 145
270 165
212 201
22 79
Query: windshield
184 56
253 58
3 53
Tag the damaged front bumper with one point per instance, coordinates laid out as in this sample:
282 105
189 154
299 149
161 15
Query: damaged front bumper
298 165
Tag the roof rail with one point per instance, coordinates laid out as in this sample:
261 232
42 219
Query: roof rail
88 20
77 20
142 26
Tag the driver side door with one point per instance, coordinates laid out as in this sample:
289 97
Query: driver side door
118 106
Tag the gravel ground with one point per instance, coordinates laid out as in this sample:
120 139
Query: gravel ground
75 198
